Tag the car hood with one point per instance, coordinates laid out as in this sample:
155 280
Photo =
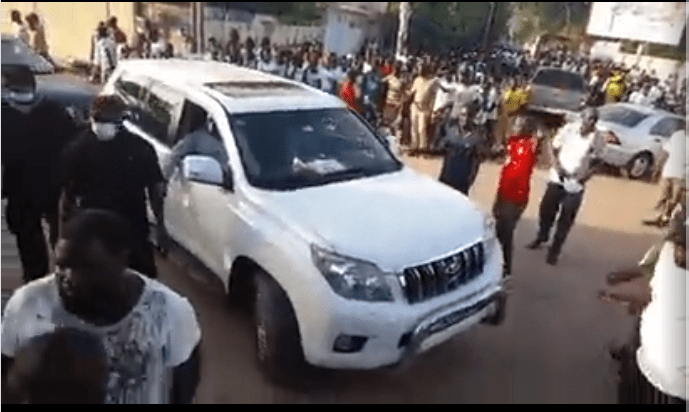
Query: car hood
394 220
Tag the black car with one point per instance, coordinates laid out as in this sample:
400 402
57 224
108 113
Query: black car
69 91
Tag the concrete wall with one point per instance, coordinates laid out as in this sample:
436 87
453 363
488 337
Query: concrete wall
69 26
279 34
662 67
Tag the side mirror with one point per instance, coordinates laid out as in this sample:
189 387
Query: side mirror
203 169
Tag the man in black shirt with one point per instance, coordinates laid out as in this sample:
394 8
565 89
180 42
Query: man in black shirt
34 133
109 168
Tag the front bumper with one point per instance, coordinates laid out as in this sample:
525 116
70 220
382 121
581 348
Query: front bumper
397 331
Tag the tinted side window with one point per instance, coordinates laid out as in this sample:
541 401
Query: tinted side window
160 112
559 79
666 127
129 88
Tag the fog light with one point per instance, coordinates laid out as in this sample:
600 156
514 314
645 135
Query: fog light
349 344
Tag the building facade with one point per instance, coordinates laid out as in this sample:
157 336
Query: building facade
348 26
70 25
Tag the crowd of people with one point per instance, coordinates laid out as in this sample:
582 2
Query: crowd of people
466 105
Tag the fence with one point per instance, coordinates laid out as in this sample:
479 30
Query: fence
279 34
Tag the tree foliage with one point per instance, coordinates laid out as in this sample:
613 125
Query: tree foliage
439 26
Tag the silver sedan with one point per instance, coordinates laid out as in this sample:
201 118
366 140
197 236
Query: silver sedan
635 137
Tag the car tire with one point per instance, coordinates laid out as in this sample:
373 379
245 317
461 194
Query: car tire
641 166
278 345
497 318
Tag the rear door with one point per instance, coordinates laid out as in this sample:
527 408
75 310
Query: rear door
157 112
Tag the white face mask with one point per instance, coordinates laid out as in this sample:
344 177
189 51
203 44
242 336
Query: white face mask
104 131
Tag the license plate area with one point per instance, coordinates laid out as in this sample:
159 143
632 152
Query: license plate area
457 316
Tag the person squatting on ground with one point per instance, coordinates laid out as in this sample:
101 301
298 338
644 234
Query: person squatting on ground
652 364
514 186
575 155
674 183
107 167
151 334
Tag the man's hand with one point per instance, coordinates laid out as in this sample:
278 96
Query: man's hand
163 241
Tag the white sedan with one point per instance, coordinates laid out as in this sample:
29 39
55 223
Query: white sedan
636 135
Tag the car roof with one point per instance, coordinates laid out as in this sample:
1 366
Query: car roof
238 89
652 111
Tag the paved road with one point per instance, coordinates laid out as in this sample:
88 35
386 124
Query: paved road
551 349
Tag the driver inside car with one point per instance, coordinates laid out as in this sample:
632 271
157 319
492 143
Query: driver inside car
203 141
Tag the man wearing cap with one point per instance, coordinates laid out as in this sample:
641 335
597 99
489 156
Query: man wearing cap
109 168
575 155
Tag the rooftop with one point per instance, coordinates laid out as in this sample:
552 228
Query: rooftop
239 89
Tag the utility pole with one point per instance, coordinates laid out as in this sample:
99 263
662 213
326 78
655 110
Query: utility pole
197 16
403 32
489 23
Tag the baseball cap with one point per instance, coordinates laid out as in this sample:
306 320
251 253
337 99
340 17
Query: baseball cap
108 109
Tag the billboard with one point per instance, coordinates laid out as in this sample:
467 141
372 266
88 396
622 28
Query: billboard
661 23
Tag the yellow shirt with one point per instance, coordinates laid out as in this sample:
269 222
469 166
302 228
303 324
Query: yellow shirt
615 90
512 100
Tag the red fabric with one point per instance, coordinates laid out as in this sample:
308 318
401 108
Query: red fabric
515 178
348 94
386 70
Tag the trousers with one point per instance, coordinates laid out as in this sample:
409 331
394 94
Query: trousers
25 222
419 128
560 204
506 215
142 258
672 191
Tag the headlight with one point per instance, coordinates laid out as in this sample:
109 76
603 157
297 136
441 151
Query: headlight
489 236
489 227
351 278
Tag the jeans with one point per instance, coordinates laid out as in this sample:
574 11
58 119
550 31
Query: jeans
506 214
557 200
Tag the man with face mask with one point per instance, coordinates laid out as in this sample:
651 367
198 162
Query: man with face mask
34 132
107 167
575 154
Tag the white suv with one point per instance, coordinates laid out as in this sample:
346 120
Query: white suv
351 259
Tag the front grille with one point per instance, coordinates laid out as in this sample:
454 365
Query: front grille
421 283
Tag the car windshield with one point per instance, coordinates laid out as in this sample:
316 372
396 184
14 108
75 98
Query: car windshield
621 115
559 79
15 52
290 150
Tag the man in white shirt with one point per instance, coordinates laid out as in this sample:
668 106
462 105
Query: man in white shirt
105 55
328 76
575 154
674 186
150 333
641 96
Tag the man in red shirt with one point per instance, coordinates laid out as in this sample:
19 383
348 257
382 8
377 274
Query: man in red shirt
387 68
514 186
